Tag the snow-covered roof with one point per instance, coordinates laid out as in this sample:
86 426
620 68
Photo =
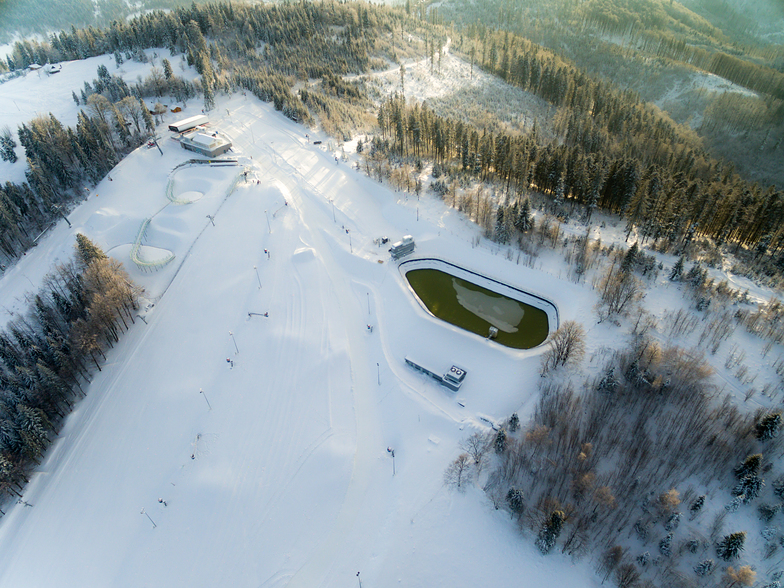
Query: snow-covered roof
204 139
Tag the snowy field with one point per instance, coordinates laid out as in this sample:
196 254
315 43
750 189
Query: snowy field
275 469
275 472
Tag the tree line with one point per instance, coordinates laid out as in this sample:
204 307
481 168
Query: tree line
611 152
648 56
61 160
48 352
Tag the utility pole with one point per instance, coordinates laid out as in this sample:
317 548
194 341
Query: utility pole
257 276
235 342
360 580
392 451
333 210
378 373
144 512
268 224
201 391
58 209
368 297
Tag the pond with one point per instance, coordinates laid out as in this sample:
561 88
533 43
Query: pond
475 308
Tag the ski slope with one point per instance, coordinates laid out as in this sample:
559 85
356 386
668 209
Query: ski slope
274 469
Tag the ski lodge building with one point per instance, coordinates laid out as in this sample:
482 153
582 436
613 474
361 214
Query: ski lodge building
453 379
209 145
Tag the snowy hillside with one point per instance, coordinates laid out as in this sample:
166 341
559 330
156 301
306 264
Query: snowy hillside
239 434
284 478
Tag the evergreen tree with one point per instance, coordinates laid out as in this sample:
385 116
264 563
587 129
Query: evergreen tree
500 441
749 487
7 146
735 503
560 192
731 545
523 221
768 511
704 568
768 427
550 531
32 424
630 258
665 545
673 522
609 382
677 270
149 123
749 467
778 487
697 505
209 95
88 251
168 72
515 500
514 422
501 233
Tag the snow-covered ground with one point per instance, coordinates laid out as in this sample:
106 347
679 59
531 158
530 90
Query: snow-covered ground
275 469
457 90
286 479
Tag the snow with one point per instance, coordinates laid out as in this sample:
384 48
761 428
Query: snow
40 94
459 91
283 479
274 468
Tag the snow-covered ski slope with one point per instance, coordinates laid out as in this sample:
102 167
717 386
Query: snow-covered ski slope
275 472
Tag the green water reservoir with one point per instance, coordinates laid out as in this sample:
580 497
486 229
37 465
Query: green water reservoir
476 309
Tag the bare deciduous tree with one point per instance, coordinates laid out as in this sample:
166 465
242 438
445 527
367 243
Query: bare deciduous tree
458 472
619 290
626 575
566 345
743 576
476 447
610 560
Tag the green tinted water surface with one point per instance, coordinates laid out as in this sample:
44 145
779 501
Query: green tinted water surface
476 309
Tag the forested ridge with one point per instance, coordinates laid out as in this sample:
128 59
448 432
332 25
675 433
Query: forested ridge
668 54
612 152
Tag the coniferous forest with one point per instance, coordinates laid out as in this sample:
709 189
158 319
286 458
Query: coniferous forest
604 148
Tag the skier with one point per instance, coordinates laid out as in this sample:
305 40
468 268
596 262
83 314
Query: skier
162 501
